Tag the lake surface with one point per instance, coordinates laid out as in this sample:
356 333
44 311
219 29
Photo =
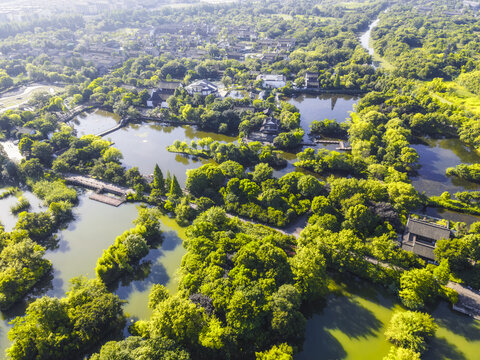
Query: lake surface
165 262
451 215
145 144
326 106
352 327
94 122
436 155
7 219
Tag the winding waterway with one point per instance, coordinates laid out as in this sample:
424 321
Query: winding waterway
365 37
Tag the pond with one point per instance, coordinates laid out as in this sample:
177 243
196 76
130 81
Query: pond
436 155
7 219
352 327
94 122
165 262
326 106
94 229
145 144
317 107
451 215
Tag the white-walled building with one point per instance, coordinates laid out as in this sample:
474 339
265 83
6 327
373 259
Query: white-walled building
272 80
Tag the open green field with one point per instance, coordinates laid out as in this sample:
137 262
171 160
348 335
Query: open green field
458 95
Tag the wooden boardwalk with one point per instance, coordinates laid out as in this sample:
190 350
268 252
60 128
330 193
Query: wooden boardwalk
109 200
342 143
322 141
102 189
342 147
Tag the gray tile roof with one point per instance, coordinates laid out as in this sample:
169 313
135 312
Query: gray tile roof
421 249
427 230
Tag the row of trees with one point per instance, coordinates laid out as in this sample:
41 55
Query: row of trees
247 154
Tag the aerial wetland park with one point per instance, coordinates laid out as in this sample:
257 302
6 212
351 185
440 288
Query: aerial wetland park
230 180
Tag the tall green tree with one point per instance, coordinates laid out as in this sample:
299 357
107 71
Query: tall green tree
158 180
409 330
175 189
168 181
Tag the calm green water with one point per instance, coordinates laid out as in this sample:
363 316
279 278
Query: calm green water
435 157
451 215
144 145
353 323
94 229
165 262
7 219
326 106
94 122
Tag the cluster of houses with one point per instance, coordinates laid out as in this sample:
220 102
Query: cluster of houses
233 42
20 11
165 89
189 40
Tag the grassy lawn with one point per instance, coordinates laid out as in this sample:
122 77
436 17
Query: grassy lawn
383 62
459 96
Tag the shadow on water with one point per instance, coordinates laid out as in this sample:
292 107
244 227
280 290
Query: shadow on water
442 349
342 314
171 240
57 284
428 160
323 344
63 246
182 159
436 155
45 284
463 325
351 318
150 271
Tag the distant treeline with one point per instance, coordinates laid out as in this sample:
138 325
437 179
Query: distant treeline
57 22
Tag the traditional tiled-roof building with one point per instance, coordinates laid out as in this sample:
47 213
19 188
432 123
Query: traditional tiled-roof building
420 237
